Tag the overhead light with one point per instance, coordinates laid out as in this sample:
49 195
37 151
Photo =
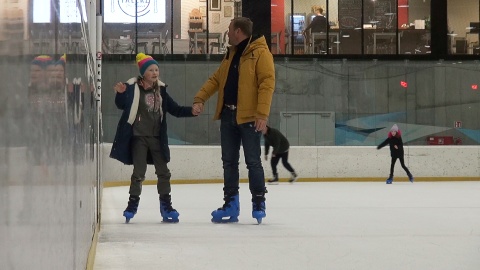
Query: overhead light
403 6
346 36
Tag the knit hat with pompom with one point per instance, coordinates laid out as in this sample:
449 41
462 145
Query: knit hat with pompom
144 61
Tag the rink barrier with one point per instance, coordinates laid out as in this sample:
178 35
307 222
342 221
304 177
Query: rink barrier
93 248
285 180
203 165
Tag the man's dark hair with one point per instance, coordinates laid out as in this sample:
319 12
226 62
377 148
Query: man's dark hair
245 25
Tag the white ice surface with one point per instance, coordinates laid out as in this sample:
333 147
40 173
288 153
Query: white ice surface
345 225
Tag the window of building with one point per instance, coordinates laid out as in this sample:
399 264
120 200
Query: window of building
463 26
351 27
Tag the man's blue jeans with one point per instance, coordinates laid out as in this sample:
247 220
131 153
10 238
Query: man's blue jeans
232 136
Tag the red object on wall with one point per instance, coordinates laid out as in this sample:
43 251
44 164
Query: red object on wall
402 12
440 140
278 21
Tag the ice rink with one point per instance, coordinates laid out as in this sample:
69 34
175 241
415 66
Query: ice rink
316 225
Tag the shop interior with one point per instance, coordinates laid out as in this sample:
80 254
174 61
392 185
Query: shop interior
199 27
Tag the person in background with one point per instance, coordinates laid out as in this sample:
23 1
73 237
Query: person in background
319 24
141 136
394 139
245 81
280 146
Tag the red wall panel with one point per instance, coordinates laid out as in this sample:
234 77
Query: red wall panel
278 22
402 12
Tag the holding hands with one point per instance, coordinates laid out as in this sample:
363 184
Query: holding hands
197 108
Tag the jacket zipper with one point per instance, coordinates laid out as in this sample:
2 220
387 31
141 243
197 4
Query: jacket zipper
154 106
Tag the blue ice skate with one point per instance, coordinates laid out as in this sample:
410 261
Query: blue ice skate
258 211
169 214
128 215
229 212
131 209
410 178
389 180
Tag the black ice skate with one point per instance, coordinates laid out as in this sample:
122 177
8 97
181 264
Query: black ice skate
293 178
274 180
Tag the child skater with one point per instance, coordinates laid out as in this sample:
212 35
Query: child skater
396 151
141 136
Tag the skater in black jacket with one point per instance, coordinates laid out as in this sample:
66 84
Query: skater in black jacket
396 151
280 147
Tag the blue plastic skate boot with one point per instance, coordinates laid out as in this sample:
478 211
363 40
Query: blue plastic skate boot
131 209
169 214
410 177
258 211
258 205
229 212
390 180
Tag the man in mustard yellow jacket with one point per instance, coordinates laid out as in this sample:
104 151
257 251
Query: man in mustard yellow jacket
245 82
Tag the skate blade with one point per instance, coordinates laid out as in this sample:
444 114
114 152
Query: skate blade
166 220
127 220
230 220
259 220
